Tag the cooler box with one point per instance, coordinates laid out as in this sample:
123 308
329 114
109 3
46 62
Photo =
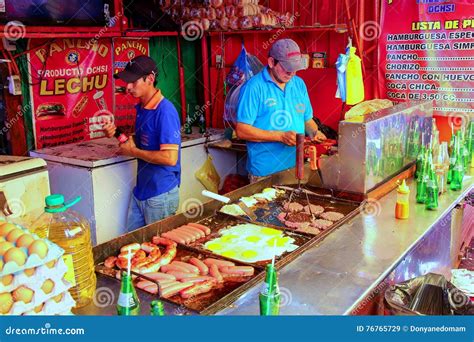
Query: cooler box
24 182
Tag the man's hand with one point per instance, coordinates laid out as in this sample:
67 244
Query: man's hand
288 138
319 137
128 148
109 128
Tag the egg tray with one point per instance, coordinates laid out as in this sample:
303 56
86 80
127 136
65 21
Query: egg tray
206 303
51 307
41 273
39 297
54 252
220 221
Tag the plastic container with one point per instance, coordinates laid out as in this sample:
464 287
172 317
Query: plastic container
69 230
402 207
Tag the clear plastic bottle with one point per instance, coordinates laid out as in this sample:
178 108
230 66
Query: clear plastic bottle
71 231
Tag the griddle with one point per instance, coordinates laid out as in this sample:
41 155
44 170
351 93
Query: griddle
206 303
220 299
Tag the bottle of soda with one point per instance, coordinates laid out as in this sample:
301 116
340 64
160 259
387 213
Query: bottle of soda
442 167
432 191
128 303
157 308
270 296
188 127
452 162
202 124
419 162
470 142
422 182
458 170
465 154
452 143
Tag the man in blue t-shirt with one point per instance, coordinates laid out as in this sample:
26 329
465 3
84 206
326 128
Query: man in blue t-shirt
156 144
273 107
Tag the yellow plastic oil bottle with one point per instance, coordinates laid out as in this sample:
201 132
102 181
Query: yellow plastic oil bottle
70 231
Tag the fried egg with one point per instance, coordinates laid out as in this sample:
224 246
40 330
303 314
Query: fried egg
251 243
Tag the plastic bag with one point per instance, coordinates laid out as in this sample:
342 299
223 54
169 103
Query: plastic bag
341 67
244 68
354 80
208 175
401 297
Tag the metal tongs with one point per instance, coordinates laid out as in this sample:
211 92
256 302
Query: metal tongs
299 172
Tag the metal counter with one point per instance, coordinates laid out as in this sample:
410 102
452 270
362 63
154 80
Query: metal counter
332 277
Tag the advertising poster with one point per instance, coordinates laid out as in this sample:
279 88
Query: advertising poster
126 49
425 53
71 87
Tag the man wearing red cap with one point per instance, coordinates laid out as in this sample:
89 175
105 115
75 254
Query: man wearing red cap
273 107
156 144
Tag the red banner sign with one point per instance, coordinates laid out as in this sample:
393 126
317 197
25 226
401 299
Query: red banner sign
126 49
71 88
426 54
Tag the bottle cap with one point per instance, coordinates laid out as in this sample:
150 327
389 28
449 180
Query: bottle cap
403 188
55 203
54 200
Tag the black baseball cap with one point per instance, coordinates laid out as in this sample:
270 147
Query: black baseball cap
138 67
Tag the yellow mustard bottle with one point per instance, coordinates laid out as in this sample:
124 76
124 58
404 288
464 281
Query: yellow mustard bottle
70 231
402 207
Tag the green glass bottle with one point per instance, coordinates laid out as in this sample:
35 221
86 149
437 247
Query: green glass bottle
452 162
157 308
452 143
470 142
422 182
458 170
202 124
432 191
128 303
465 153
270 296
419 162
188 126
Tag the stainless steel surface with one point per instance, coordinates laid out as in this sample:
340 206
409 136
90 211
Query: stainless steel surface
432 255
105 151
106 296
333 277
375 147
